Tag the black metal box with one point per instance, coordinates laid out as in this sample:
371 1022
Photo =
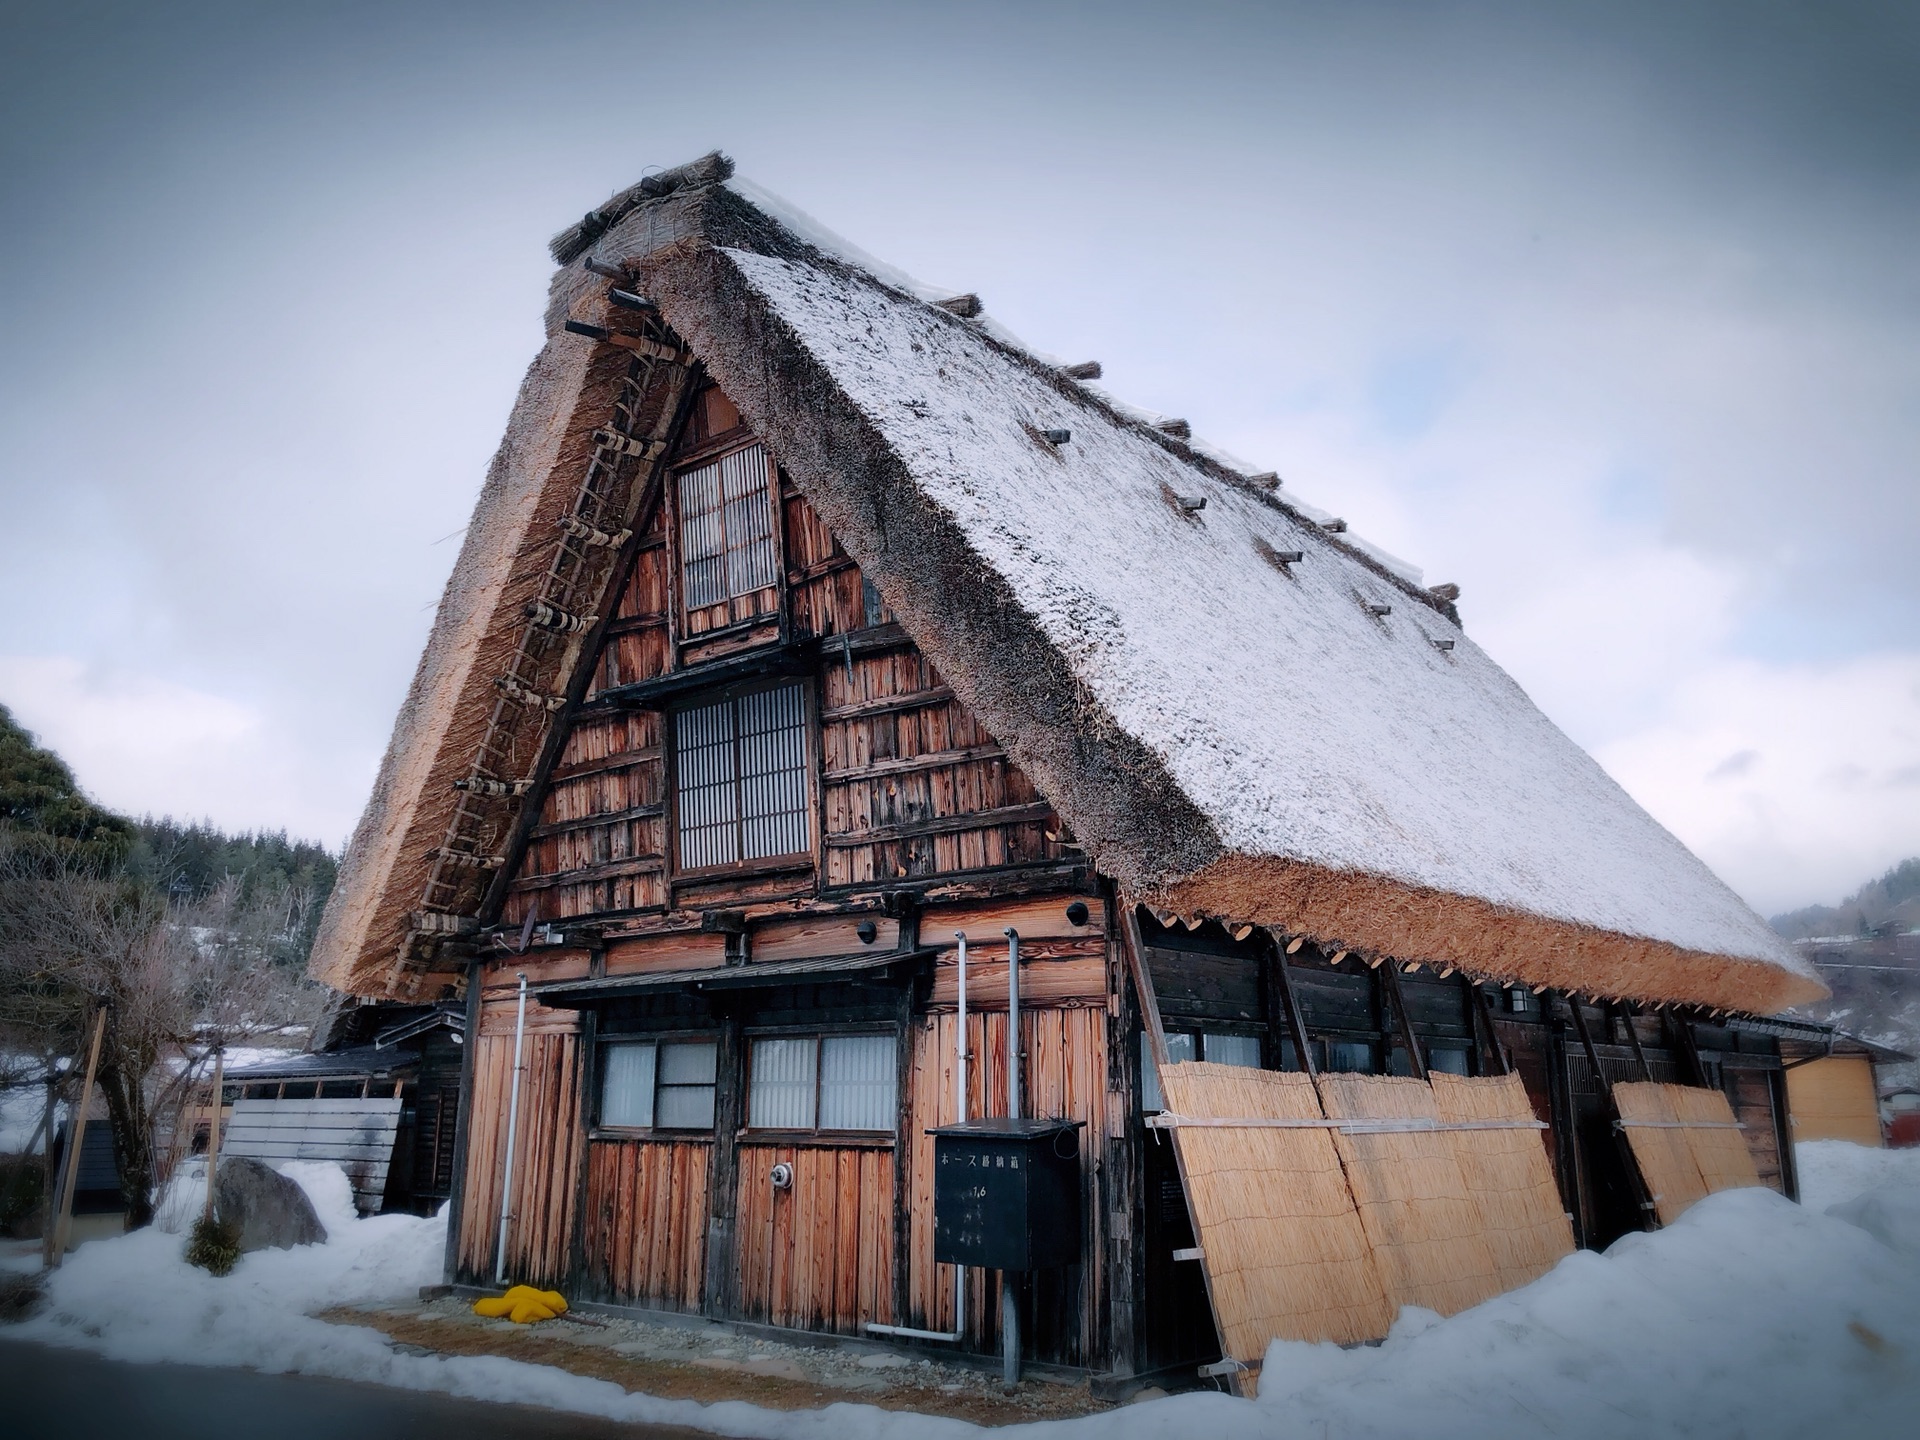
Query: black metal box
1006 1194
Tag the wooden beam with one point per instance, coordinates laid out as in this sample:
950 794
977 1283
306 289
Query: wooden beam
944 825
620 760
888 704
1280 982
1396 994
908 764
1483 1025
583 822
76 1138
606 870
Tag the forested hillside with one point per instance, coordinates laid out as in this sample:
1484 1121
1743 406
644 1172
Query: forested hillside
1892 900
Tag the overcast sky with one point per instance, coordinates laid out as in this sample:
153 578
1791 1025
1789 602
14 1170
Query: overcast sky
1610 314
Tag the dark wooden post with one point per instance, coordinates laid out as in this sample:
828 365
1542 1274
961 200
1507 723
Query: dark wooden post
721 1289
1120 1172
585 1107
463 1123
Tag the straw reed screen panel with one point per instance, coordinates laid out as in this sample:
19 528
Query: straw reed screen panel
1425 1227
1685 1142
1285 1254
1507 1174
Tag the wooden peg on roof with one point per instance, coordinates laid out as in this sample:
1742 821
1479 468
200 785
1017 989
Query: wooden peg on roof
1178 429
967 306
1085 370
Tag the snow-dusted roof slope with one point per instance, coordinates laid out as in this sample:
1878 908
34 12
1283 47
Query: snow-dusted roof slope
1281 743
1309 744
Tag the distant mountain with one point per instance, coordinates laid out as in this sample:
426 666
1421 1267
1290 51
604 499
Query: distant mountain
1890 904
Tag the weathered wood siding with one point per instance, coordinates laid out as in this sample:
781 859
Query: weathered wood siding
547 1153
914 785
1065 1077
646 1235
820 1255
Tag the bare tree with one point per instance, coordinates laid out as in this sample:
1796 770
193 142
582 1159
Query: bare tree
74 936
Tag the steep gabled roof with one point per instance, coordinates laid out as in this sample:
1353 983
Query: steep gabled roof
1312 745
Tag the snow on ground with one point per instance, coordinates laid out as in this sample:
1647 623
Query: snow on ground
1751 1317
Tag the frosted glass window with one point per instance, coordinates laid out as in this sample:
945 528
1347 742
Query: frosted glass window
626 1085
726 529
741 771
1232 1050
857 1082
783 1084
684 1086
647 1084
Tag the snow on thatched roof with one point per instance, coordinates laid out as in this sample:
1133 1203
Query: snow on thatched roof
1311 744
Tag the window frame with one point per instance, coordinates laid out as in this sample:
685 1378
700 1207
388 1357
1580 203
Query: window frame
659 1040
802 859
735 442
816 1135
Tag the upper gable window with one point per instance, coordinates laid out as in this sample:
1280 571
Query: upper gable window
726 529
741 771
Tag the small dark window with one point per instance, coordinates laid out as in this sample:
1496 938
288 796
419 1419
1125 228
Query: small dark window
1214 1046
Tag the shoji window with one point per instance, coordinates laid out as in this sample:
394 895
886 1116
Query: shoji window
823 1082
726 529
650 1085
741 771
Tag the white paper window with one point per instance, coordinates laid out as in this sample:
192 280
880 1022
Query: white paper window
741 769
857 1082
831 1082
782 1086
726 529
645 1085
626 1086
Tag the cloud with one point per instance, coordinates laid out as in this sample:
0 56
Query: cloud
141 744
1793 781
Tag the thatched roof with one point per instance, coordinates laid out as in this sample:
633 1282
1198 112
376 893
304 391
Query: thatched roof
1292 744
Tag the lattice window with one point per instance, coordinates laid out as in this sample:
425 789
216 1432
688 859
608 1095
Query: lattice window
823 1082
726 529
742 778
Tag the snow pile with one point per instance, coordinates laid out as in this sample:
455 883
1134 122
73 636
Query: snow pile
1751 1316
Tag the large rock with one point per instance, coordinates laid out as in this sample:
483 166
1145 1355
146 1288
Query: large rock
267 1210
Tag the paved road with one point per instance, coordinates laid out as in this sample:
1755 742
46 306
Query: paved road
77 1396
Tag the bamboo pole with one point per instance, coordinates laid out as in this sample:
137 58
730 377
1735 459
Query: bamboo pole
213 1126
63 1224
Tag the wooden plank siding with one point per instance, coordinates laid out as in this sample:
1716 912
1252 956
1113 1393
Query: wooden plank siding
1065 1077
646 1222
547 1154
818 1256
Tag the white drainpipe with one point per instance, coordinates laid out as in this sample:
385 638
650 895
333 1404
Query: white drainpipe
960 1114
513 1129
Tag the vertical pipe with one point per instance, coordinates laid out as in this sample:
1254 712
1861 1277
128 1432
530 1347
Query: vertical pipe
1009 1279
513 1126
1013 1023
